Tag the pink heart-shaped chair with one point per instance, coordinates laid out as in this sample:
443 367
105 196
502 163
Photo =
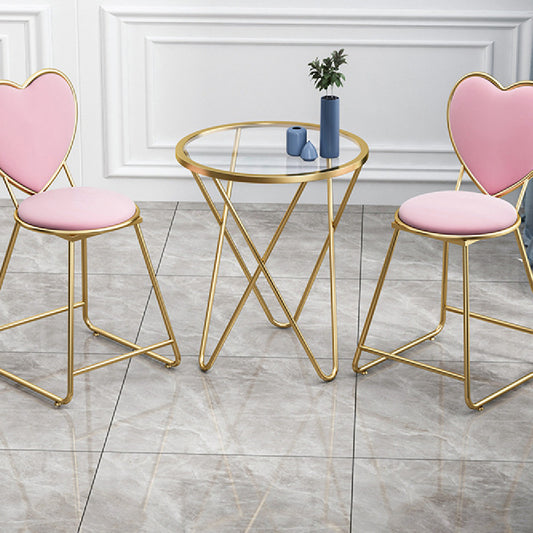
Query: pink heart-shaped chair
37 130
491 129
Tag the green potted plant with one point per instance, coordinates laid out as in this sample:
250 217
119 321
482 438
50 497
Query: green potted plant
325 75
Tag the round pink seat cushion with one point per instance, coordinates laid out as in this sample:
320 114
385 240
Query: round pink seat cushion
76 209
458 213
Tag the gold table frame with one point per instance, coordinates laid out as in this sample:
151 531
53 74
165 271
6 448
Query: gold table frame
331 171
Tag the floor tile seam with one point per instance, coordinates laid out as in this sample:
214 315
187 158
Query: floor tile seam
231 455
288 357
358 333
442 460
51 450
239 276
439 280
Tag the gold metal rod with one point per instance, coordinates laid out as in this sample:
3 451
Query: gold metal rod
270 281
503 390
29 385
3 327
9 252
253 280
211 296
236 253
332 280
412 362
141 350
460 178
521 195
318 264
374 302
132 345
444 285
99 331
466 328
10 191
69 176
85 285
403 348
70 328
158 295
525 258
491 320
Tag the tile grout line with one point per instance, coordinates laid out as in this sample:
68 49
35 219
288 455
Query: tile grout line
124 379
352 486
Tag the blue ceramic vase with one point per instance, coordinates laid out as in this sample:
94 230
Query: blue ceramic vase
308 152
329 126
296 139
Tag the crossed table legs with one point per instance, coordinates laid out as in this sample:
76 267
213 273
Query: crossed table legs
292 319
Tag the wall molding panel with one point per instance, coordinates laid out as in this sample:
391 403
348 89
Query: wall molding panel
26 44
162 78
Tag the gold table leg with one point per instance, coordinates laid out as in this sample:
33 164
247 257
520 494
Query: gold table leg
261 261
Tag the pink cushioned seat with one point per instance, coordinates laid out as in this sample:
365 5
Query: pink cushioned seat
76 209
458 213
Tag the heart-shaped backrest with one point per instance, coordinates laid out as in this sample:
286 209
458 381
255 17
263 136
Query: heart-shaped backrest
491 128
37 126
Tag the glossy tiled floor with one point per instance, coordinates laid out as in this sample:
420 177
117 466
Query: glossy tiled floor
259 443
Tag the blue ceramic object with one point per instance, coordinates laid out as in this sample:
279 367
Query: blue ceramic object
296 138
329 126
308 152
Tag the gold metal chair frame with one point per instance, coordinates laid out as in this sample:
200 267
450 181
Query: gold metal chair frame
465 242
198 171
71 238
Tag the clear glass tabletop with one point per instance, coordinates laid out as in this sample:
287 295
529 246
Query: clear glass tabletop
256 152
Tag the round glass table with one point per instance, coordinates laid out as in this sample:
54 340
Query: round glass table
255 152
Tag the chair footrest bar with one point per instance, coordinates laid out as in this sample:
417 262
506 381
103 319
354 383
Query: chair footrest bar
30 385
39 316
503 390
140 350
132 345
491 320
412 362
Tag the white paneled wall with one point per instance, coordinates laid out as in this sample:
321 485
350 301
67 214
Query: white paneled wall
150 71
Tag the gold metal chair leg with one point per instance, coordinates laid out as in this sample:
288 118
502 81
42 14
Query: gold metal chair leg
159 297
372 309
466 330
9 252
137 350
70 328
444 289
70 308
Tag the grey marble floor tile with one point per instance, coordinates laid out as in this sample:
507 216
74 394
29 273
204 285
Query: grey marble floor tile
44 491
405 412
409 309
395 496
160 206
116 303
219 494
31 422
268 406
192 243
421 258
253 334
